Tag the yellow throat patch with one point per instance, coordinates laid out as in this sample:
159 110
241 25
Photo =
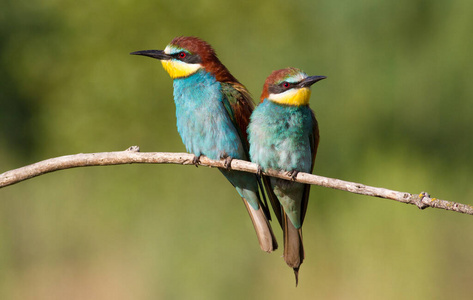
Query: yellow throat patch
179 69
294 97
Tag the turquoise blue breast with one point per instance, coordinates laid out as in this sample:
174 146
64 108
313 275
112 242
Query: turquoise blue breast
279 139
207 129
202 121
279 136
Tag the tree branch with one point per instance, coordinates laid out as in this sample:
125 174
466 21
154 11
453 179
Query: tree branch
132 155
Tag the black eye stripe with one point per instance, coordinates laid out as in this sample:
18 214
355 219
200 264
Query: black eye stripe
189 58
282 87
288 85
177 55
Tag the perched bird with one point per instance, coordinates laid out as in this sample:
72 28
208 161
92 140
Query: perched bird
284 135
213 110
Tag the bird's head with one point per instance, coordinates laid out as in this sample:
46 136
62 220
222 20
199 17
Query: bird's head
185 55
290 86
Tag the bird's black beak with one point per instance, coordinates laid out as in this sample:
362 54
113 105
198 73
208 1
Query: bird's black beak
307 82
158 54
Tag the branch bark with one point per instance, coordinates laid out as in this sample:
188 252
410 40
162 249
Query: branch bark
132 155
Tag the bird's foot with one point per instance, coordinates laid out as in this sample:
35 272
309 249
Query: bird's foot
227 164
196 160
292 174
259 171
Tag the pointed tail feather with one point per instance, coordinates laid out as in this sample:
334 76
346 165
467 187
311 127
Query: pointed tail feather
266 238
293 247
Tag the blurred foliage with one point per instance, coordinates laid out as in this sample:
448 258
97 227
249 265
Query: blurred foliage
394 112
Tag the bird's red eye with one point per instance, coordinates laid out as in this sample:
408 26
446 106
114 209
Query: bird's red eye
285 84
182 54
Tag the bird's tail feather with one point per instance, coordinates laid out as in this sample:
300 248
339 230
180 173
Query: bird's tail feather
264 232
293 247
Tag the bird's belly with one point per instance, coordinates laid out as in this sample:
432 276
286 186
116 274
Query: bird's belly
209 132
286 155
202 120
274 150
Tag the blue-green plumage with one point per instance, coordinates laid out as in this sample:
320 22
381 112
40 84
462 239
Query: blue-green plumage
206 127
279 136
213 110
202 120
284 135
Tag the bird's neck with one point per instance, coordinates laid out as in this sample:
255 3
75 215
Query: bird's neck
282 107
195 89
199 79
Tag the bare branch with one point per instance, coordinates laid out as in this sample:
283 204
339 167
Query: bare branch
133 156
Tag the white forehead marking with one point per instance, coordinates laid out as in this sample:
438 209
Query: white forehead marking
296 78
170 49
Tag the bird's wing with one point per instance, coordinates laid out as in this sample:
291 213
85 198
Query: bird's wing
238 103
239 106
314 144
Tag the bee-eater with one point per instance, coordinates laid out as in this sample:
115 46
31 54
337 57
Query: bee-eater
284 135
213 110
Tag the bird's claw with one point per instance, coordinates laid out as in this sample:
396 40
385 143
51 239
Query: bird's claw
259 171
196 160
292 174
227 163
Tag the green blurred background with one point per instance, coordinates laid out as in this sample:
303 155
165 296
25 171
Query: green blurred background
394 112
